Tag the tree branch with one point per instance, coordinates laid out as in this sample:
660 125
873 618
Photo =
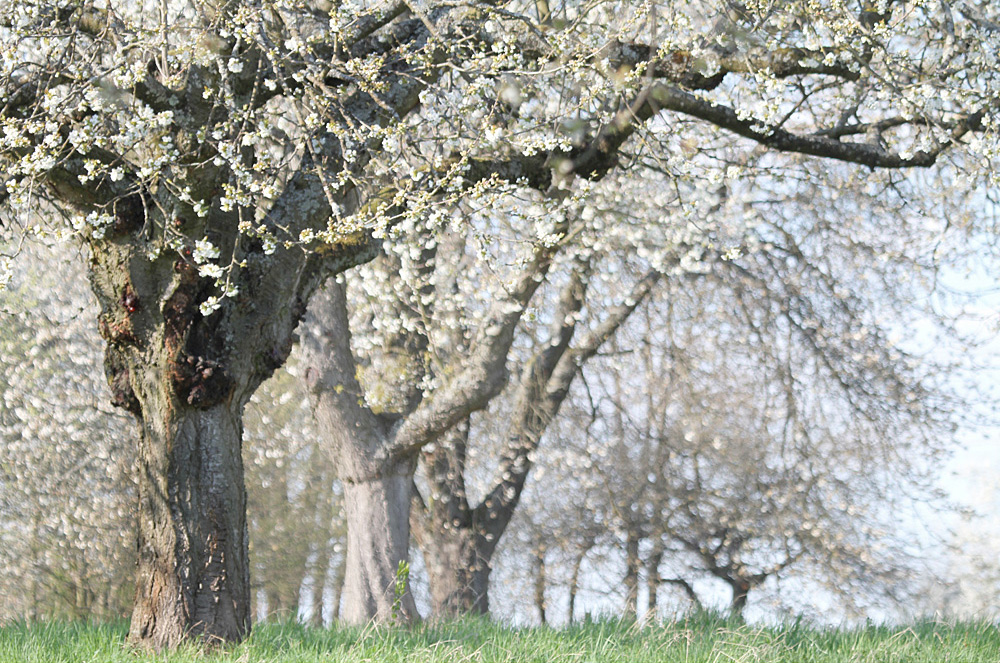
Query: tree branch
873 156
544 386
482 372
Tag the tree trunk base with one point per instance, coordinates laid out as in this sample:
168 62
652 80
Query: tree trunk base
378 539
193 575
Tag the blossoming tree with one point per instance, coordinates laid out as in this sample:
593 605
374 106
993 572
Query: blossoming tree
220 158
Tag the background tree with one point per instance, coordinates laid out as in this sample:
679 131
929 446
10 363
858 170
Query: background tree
470 383
295 507
407 332
763 420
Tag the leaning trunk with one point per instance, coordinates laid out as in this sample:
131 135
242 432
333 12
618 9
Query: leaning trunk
193 575
378 539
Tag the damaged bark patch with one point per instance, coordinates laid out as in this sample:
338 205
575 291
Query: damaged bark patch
116 325
129 300
200 381
116 330
129 213
180 310
196 348
120 381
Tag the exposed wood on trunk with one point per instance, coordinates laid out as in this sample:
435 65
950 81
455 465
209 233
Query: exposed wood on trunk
186 376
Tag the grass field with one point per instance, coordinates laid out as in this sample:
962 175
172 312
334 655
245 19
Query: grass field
696 639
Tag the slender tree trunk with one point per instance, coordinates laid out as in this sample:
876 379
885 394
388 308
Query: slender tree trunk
631 581
275 606
255 607
293 589
339 579
193 573
320 574
540 581
741 591
653 581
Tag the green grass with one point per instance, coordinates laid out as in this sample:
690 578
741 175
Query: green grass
702 639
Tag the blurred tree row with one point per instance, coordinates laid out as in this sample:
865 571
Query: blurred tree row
66 483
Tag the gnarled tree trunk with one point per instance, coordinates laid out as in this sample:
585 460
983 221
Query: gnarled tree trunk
458 540
455 541
186 373
458 567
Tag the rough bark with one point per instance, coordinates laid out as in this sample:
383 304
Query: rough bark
193 576
178 372
186 377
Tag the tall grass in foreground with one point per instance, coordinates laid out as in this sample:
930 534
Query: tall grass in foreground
702 638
